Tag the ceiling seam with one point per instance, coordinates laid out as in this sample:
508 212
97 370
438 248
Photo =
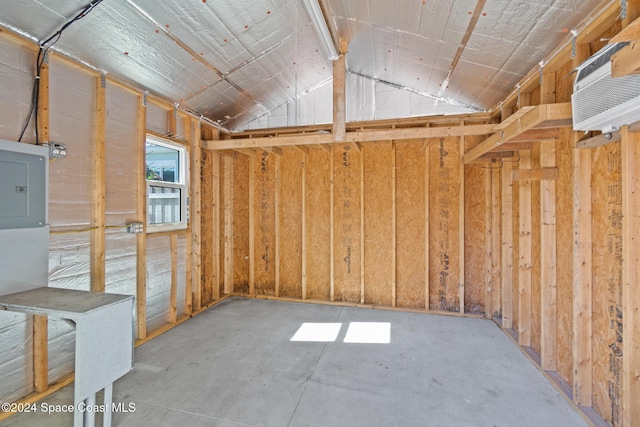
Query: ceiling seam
463 44
194 54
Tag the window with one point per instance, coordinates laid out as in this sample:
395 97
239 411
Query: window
167 192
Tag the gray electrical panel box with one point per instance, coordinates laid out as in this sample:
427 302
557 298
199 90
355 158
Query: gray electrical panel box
23 185
24 232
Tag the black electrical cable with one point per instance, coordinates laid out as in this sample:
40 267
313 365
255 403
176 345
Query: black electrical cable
42 56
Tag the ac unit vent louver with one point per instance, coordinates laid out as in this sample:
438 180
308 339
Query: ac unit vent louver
601 102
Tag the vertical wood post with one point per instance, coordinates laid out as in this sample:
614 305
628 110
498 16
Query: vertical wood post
548 269
525 262
228 225
394 226
252 226
196 212
461 213
173 294
427 241
582 266
303 224
98 238
141 238
339 98
332 283
40 329
507 245
277 225
630 277
215 158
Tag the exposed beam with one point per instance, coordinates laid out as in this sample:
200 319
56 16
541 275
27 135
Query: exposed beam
351 137
273 150
543 174
339 98
599 140
465 39
251 153
626 61
630 33
540 117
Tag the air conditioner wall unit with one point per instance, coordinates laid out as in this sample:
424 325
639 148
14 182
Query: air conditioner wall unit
601 102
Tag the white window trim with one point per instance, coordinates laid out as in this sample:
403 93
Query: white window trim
183 185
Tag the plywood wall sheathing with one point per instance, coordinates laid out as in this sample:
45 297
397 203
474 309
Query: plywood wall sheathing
208 242
240 224
496 240
607 342
379 274
173 293
318 223
290 220
443 234
410 218
631 277
264 217
346 213
475 239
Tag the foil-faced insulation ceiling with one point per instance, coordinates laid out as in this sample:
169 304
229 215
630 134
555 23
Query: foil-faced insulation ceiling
255 63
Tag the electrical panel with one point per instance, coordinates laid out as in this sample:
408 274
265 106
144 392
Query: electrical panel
24 232
23 185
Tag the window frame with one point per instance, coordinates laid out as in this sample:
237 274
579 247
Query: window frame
182 185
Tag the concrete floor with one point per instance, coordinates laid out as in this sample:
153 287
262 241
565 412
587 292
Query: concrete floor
234 365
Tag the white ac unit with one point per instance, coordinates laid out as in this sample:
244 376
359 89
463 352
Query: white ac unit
601 102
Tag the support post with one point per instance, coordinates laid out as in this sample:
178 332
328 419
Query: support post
548 317
141 238
525 262
630 277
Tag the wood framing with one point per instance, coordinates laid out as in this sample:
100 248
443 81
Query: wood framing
252 227
98 238
303 224
277 225
582 279
582 360
40 329
427 241
228 225
394 229
542 174
548 259
361 153
141 238
507 245
216 236
496 242
195 212
339 98
397 135
630 277
332 278
525 263
626 61
461 195
173 294
546 116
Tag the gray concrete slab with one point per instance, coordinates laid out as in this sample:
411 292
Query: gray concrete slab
234 365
